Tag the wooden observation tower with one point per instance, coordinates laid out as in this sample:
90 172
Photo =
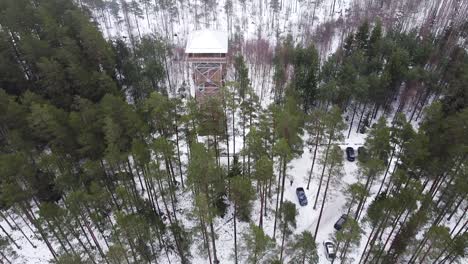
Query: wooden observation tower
206 52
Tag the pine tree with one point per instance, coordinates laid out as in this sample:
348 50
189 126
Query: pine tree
288 223
375 40
377 151
152 71
333 127
206 180
437 238
334 162
264 176
306 64
288 130
69 259
257 245
348 237
362 36
242 193
302 249
315 128
73 58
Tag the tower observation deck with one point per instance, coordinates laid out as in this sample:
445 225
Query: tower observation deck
206 52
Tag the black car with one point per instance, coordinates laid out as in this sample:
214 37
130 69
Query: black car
339 224
330 251
361 150
362 154
350 156
301 196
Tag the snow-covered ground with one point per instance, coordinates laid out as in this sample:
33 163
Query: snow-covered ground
298 171
254 21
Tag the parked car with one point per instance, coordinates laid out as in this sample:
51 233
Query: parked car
361 150
362 154
330 251
339 224
350 154
301 196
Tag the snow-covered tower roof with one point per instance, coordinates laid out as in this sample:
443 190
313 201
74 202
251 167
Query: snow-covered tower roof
206 42
206 51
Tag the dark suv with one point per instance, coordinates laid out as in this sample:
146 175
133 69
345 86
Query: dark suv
301 196
339 224
350 156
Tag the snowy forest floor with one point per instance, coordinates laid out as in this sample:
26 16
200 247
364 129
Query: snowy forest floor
298 172
298 169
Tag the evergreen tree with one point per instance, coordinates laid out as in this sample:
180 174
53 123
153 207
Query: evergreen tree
334 162
333 127
362 36
348 237
375 41
315 128
288 222
264 176
206 180
377 151
242 193
59 51
306 65
302 249
288 130
257 245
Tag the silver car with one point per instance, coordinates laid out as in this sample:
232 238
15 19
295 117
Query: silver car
330 251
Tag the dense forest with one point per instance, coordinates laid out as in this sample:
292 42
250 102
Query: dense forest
105 158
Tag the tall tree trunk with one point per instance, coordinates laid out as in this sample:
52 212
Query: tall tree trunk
265 199
362 201
323 172
179 162
459 221
4 257
344 252
62 233
277 199
205 239
7 221
72 230
372 243
248 154
213 242
26 223
233 134
360 118
262 192
354 110
243 139
226 132
386 170
282 242
317 139
33 220
367 243
282 184
394 225
456 208
176 237
9 237
18 228
235 234
88 227
323 203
